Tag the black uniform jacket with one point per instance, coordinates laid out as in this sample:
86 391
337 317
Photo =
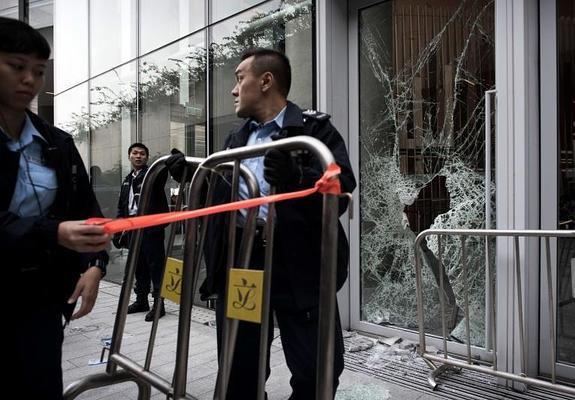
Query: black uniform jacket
157 204
43 272
297 236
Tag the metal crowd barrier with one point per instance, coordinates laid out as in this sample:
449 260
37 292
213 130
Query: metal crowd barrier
194 238
324 387
132 371
449 361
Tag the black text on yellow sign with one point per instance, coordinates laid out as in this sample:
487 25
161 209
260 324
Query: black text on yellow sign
172 281
245 295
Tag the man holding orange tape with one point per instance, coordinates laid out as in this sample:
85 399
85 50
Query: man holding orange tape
263 80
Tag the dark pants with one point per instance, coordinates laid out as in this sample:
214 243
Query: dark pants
299 336
39 337
298 330
150 265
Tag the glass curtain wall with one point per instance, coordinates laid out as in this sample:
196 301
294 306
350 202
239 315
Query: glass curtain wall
424 68
566 246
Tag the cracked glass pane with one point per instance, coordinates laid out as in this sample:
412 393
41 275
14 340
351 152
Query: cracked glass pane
424 70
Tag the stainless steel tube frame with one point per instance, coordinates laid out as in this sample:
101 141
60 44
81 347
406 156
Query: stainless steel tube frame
328 267
515 234
192 256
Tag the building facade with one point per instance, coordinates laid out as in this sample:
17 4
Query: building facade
457 114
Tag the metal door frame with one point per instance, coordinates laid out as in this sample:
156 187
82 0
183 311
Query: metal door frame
354 7
549 164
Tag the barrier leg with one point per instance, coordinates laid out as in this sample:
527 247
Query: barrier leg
104 379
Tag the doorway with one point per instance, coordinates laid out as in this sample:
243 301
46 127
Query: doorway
419 71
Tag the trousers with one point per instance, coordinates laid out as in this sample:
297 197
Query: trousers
39 334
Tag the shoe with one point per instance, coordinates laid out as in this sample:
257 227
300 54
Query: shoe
138 306
150 315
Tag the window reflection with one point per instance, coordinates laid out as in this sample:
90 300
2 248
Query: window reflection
277 25
71 115
112 120
172 89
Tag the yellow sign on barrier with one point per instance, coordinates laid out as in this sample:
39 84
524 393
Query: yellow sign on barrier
245 295
172 282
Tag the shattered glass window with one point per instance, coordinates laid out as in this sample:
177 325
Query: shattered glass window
424 68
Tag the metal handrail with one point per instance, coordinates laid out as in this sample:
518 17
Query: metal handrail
455 362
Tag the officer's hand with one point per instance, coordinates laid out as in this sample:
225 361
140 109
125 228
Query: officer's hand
77 236
279 168
176 164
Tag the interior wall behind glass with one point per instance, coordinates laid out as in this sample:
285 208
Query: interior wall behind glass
286 27
113 33
164 21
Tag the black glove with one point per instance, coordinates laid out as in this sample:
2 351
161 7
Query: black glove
280 168
176 164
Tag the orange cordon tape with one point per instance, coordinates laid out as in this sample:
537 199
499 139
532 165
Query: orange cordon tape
328 183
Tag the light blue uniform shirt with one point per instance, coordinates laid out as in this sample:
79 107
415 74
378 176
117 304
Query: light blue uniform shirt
31 199
261 133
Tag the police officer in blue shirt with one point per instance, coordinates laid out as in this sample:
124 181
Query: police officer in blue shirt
45 196
263 80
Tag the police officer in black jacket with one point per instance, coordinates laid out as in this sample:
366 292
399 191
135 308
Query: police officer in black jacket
50 258
263 81
152 252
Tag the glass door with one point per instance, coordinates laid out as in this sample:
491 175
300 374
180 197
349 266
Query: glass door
419 71
558 182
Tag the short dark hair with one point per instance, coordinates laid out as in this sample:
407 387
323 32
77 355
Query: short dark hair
276 62
19 37
141 146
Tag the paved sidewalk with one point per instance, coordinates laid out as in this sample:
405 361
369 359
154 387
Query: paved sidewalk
83 346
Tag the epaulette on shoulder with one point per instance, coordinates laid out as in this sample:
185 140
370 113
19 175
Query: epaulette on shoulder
313 114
